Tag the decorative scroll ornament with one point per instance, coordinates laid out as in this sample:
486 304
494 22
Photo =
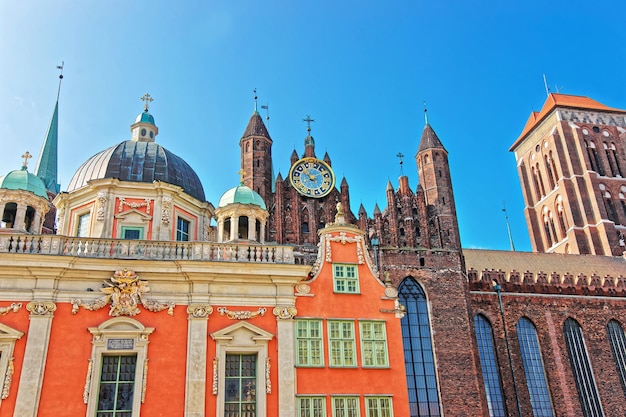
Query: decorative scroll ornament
215 375
87 382
41 308
343 239
199 311
144 382
241 315
102 200
166 205
303 288
124 292
8 378
145 204
285 313
268 381
14 307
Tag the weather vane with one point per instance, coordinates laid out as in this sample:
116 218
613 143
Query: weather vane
147 99
308 121
255 97
60 67
266 107
400 155
425 112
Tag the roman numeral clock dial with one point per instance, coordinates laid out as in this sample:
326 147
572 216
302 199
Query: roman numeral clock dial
312 177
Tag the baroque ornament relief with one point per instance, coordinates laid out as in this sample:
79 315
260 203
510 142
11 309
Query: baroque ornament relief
199 311
41 308
285 313
14 307
124 292
8 378
242 314
102 199
166 206
133 205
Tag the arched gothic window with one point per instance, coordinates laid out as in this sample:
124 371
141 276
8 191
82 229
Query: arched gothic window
551 179
533 369
581 368
554 170
418 351
609 157
616 159
489 366
540 179
611 214
536 183
618 346
560 213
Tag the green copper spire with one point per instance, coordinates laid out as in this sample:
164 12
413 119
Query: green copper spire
48 159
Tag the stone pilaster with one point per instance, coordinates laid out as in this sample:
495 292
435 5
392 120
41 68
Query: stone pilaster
286 361
195 392
31 379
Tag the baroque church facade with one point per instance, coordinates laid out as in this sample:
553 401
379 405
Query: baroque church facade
143 298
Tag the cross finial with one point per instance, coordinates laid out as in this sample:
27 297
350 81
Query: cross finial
26 157
147 99
308 121
400 155
425 112
242 174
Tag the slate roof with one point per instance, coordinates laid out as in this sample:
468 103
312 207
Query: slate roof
429 139
256 127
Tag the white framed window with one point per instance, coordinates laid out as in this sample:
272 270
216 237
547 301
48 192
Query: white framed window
341 343
311 406
83 224
309 345
374 344
182 229
346 406
8 336
117 369
345 278
378 406
240 370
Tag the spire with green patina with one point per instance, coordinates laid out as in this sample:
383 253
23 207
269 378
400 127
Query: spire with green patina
47 164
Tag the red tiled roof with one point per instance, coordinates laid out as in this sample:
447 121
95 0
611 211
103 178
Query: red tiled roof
560 100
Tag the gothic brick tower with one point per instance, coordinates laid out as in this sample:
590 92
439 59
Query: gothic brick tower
434 173
572 166
256 157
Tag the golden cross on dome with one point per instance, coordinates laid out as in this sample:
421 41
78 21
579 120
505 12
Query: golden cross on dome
242 174
147 98
26 157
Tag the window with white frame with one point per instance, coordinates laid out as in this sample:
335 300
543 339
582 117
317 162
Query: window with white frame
117 369
82 224
311 406
378 407
182 229
309 346
373 344
346 406
345 278
341 343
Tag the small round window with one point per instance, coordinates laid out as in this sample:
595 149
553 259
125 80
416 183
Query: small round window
151 134
143 132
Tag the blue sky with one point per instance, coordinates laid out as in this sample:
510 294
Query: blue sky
361 69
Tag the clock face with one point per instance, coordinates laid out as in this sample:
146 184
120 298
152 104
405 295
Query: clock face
312 177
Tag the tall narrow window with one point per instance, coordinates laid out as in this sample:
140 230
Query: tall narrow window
554 170
616 159
609 158
309 343
610 208
182 230
489 366
581 368
341 343
374 344
117 382
240 386
618 346
346 406
378 407
533 369
551 179
536 183
84 221
561 216
345 278
418 351
311 407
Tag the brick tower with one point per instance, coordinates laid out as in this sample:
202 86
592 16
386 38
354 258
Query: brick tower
572 167
256 157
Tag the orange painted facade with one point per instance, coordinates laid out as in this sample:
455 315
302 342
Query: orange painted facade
324 303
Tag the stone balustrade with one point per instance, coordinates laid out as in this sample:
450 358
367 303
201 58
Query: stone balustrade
146 249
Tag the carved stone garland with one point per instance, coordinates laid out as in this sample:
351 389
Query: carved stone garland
268 382
242 314
145 204
14 307
87 382
124 292
166 205
8 378
215 374
102 200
